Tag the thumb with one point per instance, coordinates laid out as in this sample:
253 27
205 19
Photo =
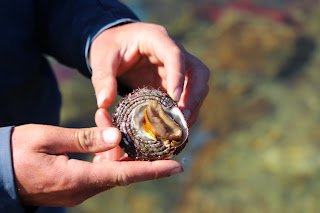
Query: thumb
60 140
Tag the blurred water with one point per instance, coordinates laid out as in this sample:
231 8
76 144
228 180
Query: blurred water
197 139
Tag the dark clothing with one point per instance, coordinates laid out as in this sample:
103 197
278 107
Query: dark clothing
29 93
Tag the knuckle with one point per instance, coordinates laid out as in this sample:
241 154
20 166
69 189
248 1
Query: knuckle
204 69
207 73
97 74
122 177
207 89
204 95
176 50
161 29
85 138
201 67
155 173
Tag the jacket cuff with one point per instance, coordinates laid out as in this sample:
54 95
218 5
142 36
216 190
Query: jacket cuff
8 193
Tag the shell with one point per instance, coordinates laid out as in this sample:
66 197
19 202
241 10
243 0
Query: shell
137 142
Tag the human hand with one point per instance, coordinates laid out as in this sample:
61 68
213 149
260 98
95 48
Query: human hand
45 176
141 54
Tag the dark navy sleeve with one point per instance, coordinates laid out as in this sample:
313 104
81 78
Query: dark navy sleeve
65 28
9 201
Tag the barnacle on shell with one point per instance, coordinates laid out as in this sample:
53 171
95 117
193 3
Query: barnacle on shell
152 125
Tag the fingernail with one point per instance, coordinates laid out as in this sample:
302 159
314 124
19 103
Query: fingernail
186 113
101 97
110 136
176 171
177 94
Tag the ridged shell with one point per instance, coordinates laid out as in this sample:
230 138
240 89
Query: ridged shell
136 146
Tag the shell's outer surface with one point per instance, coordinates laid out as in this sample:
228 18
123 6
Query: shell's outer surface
135 144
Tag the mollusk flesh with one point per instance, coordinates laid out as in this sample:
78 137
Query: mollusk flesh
152 125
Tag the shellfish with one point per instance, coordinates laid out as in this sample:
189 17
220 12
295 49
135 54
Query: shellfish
152 125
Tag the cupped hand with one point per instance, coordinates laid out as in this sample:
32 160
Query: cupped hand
45 176
141 54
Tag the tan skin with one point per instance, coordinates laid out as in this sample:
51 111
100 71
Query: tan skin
45 176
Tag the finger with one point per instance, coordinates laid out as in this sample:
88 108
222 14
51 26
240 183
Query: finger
58 140
103 118
170 55
114 154
196 88
120 173
191 112
125 173
174 66
104 63
111 155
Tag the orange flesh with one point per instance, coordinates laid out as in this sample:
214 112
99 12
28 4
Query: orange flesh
147 126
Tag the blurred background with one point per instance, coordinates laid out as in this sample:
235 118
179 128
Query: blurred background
256 145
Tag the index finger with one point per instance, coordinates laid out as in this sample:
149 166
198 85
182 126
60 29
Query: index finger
119 173
174 65
171 56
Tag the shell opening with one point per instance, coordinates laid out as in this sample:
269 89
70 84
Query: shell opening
157 122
